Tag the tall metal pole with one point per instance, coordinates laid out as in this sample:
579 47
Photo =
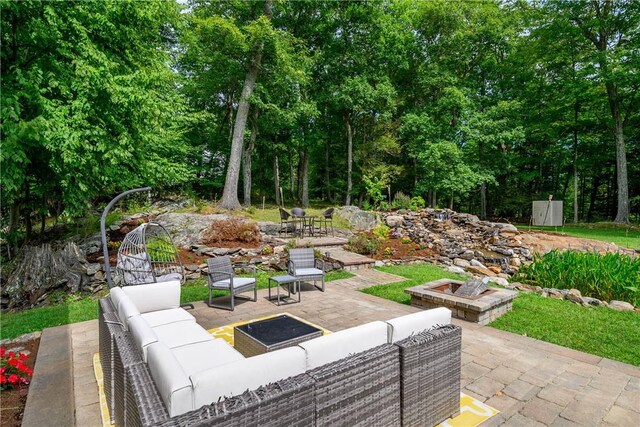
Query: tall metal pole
103 230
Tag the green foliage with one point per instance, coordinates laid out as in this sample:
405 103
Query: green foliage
362 244
595 330
381 231
606 277
89 105
401 201
417 202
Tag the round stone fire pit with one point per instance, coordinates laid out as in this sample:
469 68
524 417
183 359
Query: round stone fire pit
483 308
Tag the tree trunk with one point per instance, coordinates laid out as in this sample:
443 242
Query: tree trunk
229 198
451 203
276 179
621 156
483 201
292 177
327 177
304 176
247 152
575 169
349 160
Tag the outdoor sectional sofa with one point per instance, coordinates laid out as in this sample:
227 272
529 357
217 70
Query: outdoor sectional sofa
162 369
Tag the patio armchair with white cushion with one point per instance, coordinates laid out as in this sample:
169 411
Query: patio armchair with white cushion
304 265
221 277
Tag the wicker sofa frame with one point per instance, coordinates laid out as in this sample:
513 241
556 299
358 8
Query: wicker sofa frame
413 382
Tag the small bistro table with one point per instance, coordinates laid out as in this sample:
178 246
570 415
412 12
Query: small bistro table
284 280
272 334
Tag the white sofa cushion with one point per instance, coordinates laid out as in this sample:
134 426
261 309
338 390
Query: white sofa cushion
126 310
154 296
116 294
338 345
308 272
234 378
205 355
143 335
177 334
171 380
402 327
164 317
238 282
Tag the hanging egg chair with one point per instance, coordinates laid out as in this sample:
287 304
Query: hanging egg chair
147 255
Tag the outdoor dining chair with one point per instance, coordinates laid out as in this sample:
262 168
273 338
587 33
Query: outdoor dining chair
325 220
221 277
286 221
306 222
304 265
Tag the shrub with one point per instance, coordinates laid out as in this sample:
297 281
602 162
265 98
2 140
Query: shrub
381 231
405 240
232 230
389 251
13 371
362 244
401 201
606 277
417 202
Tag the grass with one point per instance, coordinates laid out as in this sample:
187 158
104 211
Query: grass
417 275
595 330
627 236
600 331
36 319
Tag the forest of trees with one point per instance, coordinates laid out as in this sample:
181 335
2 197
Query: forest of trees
482 106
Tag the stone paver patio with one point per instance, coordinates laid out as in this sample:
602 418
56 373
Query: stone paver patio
531 382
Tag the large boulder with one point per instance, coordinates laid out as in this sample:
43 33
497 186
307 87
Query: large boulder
186 228
358 219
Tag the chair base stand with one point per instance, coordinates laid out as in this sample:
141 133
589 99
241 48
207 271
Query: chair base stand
233 297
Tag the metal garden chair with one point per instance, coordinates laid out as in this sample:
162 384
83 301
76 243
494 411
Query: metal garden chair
221 277
304 265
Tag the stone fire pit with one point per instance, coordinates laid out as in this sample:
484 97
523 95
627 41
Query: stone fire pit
482 309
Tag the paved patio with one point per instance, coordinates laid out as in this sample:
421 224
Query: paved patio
531 382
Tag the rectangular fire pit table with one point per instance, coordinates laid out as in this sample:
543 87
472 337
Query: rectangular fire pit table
272 334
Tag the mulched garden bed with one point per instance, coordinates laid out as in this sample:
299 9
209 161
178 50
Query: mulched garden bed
401 249
12 402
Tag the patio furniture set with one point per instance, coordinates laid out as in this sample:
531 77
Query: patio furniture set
298 223
162 369
302 266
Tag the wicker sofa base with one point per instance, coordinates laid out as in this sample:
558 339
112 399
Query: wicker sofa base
430 376
360 390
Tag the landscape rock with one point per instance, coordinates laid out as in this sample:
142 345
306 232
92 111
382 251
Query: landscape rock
500 281
620 305
461 262
186 228
394 220
481 271
574 295
592 301
358 219
93 268
456 270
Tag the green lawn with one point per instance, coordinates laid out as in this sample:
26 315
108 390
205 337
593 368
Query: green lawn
36 319
625 236
600 331
417 274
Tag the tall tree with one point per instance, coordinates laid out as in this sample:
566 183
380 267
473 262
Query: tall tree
613 28
229 198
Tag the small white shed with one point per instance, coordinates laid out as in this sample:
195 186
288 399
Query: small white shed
547 213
